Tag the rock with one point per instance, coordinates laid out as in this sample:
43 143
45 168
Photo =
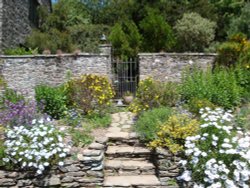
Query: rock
24 183
95 174
67 179
12 175
97 168
76 174
102 140
72 168
2 174
97 146
92 159
67 185
7 182
54 181
88 152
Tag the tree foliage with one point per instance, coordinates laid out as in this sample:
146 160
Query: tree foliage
125 39
157 33
194 33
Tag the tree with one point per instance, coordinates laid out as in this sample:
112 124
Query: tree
194 33
126 39
241 24
157 34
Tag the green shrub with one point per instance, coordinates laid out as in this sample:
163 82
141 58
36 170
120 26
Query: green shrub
230 51
174 131
219 87
149 123
80 138
52 100
195 104
11 96
194 33
98 121
90 93
151 94
20 51
243 117
2 153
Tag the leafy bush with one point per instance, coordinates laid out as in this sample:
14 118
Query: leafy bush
173 132
194 105
194 33
35 148
219 87
10 95
151 94
217 157
149 123
157 33
51 100
230 51
80 138
87 37
2 153
20 51
90 93
97 120
51 40
243 117
18 114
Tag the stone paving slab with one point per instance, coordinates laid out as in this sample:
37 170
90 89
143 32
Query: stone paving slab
117 135
127 149
127 164
123 181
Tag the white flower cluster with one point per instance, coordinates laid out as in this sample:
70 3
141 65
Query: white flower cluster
222 159
35 147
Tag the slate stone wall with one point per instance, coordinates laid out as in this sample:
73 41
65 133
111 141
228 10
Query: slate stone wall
24 73
168 66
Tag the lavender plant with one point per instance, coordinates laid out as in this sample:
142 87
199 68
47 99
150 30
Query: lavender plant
19 113
219 157
34 148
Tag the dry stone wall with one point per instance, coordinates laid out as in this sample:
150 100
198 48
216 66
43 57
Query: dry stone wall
168 66
23 73
84 170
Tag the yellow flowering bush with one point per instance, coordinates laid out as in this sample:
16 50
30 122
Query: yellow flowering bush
230 51
151 94
173 133
90 93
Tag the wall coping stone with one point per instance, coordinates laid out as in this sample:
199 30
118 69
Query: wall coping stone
177 54
54 55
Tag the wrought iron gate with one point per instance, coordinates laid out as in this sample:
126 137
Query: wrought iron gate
125 76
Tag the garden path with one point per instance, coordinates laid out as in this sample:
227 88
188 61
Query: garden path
127 162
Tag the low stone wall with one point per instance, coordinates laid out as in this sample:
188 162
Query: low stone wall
83 170
169 66
24 73
167 167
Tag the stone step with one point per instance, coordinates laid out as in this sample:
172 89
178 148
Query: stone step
132 181
128 167
127 152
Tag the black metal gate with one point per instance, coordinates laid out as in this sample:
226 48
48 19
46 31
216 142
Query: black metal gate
125 76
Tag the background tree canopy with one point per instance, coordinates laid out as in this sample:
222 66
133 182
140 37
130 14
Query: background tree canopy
139 25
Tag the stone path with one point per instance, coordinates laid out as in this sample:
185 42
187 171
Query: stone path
127 162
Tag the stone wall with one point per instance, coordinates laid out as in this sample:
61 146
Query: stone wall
168 66
23 73
84 170
14 18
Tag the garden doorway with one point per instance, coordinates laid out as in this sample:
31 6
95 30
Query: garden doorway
125 76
